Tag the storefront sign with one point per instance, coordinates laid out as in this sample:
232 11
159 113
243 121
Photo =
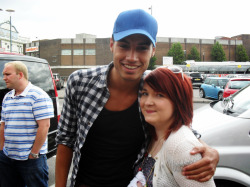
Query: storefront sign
31 49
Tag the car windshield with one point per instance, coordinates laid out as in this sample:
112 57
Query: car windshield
222 82
195 75
236 104
42 79
238 84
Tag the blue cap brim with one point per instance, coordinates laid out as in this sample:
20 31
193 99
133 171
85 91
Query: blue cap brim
123 34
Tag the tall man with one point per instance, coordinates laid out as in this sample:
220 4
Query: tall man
101 120
25 120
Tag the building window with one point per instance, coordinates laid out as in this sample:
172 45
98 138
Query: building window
78 51
66 52
90 51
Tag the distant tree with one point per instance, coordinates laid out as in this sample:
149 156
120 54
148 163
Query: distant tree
152 63
218 54
177 53
241 54
194 54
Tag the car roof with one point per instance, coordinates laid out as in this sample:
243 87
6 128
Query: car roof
191 72
239 78
13 57
218 78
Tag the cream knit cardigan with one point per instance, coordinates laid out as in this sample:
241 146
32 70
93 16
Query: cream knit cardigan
173 156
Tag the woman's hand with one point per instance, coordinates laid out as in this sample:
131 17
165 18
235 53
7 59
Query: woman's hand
138 181
139 184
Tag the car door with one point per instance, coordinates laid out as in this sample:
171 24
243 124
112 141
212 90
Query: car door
206 86
219 87
213 89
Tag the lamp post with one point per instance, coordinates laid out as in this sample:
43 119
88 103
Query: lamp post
184 54
10 11
203 54
1 42
235 49
150 8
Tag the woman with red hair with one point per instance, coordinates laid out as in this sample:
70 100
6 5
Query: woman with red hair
167 105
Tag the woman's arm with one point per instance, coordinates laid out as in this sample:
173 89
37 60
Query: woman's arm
203 169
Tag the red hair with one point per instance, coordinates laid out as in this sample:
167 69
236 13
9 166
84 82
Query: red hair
178 89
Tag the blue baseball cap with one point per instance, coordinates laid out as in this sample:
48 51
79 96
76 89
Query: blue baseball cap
135 22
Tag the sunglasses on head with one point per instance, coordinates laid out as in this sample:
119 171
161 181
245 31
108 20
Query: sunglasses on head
176 69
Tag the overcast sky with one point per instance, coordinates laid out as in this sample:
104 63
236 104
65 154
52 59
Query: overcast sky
51 19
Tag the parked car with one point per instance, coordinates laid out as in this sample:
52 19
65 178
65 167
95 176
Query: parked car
213 87
195 77
235 84
40 75
232 75
58 80
225 126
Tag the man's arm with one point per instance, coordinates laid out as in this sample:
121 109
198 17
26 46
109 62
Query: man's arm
205 168
41 135
2 135
63 162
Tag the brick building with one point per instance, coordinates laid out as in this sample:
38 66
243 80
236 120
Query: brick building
85 51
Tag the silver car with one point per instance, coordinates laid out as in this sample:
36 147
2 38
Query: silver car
225 125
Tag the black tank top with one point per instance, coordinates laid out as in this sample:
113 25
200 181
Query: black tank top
111 148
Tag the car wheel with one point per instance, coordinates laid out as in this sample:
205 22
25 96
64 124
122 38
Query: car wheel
201 93
225 183
220 96
59 87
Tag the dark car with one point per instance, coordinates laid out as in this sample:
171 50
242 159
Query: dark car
195 77
40 75
58 80
213 87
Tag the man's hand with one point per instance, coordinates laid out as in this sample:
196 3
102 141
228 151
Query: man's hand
205 168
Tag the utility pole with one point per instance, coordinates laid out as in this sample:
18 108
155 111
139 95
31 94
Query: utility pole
150 8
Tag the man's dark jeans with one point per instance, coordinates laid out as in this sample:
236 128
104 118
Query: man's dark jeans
30 173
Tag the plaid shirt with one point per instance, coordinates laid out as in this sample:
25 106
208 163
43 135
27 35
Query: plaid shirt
85 96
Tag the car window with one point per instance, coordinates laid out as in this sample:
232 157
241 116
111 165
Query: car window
195 75
238 84
39 75
214 82
241 100
236 104
222 82
207 81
